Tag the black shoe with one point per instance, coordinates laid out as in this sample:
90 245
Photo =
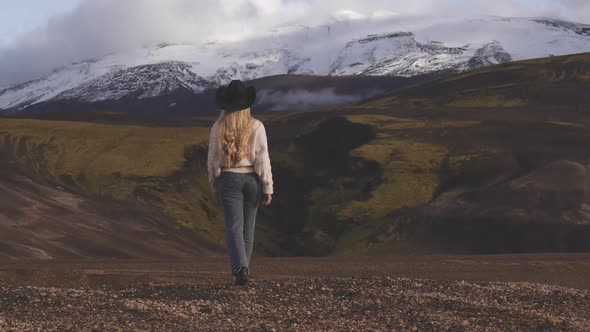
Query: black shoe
241 276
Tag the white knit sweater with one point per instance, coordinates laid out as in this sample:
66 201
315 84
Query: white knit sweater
259 157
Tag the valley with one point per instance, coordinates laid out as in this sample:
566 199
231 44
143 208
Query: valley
402 173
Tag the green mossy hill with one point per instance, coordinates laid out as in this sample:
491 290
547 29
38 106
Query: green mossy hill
356 201
160 166
345 183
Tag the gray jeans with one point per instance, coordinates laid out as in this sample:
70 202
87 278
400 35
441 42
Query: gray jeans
240 196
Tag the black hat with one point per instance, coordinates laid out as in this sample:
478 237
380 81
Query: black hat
235 96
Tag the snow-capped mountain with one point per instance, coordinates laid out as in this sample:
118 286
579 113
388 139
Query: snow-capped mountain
396 46
401 54
143 81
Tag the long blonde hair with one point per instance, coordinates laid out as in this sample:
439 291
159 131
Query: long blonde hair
236 133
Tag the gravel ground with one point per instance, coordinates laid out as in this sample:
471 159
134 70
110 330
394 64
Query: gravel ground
298 304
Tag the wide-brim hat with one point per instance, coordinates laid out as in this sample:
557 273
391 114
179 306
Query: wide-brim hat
235 96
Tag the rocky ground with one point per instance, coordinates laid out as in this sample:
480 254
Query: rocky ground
337 304
411 293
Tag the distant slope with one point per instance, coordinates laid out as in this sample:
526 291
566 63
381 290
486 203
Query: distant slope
304 92
274 93
554 81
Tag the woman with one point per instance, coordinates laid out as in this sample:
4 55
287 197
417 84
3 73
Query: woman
239 171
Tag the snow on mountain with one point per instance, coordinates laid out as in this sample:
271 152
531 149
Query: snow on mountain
388 45
396 54
139 82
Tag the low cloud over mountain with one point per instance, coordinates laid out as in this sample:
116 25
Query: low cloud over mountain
96 28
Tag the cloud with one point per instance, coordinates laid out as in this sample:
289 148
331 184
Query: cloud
578 10
300 99
98 27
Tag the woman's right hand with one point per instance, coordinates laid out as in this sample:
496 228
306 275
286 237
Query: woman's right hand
267 199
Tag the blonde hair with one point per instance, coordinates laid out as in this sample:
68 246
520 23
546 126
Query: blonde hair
236 133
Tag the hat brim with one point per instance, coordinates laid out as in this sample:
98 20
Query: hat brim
226 104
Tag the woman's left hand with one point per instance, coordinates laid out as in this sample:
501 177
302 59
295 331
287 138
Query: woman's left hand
267 199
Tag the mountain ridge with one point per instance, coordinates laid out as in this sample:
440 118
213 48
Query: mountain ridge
389 47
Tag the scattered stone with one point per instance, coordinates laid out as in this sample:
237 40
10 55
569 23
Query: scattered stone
352 304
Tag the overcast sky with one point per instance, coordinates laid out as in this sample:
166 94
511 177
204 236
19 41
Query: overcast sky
37 36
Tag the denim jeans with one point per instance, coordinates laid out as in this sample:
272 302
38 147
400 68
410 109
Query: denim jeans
240 196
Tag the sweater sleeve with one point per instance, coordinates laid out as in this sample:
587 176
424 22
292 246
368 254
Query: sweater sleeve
262 161
213 158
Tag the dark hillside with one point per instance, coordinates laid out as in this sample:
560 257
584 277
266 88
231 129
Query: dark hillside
554 81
